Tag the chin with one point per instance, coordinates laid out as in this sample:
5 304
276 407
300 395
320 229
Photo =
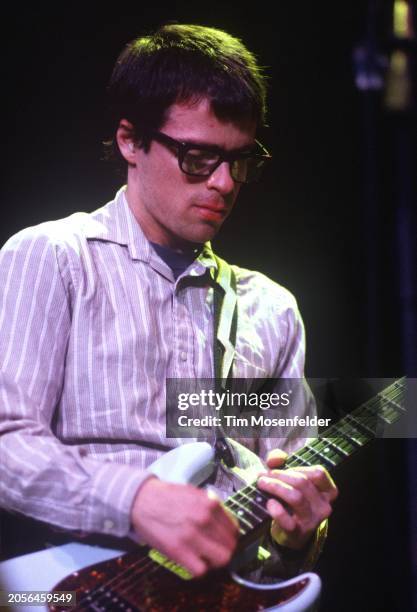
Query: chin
203 237
205 233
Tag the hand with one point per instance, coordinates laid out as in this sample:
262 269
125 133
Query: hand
308 493
188 525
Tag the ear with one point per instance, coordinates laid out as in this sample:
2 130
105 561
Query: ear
126 142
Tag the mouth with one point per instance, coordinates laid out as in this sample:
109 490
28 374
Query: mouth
212 213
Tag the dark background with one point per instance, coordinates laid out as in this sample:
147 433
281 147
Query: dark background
324 221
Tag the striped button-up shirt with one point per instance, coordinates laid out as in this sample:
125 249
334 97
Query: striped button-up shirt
92 323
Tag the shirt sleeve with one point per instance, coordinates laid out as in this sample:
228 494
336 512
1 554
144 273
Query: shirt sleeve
289 373
39 475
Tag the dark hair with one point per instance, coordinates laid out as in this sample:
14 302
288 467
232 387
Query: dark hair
184 63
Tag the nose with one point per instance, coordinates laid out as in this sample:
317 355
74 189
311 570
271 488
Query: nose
221 179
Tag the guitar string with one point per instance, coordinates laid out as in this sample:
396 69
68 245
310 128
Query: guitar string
135 582
306 454
239 504
133 587
234 501
125 587
96 594
135 568
130 578
128 589
396 392
124 581
121 582
374 403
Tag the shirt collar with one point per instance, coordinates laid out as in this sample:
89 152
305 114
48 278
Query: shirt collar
115 222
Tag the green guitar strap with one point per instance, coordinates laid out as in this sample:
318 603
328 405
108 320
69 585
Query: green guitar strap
224 342
225 321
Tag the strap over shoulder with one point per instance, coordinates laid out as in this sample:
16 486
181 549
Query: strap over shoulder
225 320
224 342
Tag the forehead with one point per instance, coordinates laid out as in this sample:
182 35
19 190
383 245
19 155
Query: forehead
196 122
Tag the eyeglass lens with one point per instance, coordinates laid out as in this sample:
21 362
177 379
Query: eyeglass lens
203 163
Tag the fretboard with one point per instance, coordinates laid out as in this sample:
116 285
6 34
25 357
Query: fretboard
330 449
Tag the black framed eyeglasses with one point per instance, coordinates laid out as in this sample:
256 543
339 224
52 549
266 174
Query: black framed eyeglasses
202 160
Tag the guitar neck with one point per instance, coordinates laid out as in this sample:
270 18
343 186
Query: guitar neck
332 448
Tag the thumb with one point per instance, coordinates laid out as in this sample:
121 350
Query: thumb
276 458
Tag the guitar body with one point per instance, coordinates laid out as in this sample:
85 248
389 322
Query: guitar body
133 582
158 589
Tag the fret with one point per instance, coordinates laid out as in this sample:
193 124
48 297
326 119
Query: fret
256 495
397 406
230 501
387 414
377 403
241 512
337 432
259 497
380 415
343 436
298 458
348 431
247 507
394 396
330 454
257 505
356 442
324 458
337 443
359 425
339 449
382 411
244 523
346 444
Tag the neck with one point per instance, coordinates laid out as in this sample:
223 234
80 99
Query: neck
334 446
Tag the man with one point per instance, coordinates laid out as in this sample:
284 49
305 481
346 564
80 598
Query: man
97 310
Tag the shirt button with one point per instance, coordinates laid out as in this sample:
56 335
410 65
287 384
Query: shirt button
108 525
183 356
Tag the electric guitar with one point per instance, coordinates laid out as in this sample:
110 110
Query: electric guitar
106 579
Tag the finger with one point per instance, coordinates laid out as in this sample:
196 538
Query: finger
323 481
196 565
226 520
223 511
214 553
292 477
315 501
206 545
286 493
217 523
320 477
276 458
281 515
234 519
